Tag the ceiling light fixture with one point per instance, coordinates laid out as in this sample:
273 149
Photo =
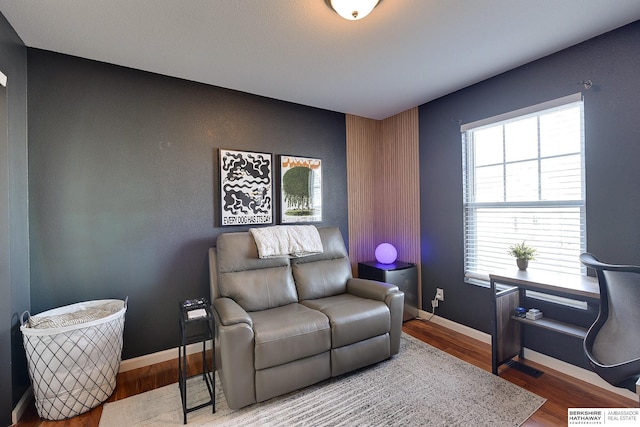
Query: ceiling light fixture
352 9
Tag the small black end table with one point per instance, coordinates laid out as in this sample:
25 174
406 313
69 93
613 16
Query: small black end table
196 327
402 274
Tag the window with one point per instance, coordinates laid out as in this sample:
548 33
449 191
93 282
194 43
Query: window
524 181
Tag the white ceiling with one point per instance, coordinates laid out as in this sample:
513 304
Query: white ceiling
406 53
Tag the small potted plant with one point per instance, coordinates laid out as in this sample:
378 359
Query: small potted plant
523 254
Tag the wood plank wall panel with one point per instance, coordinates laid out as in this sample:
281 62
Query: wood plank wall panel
383 185
401 186
364 145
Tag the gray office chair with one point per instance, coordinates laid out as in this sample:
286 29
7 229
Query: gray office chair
612 344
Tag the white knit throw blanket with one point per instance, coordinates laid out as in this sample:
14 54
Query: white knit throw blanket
287 241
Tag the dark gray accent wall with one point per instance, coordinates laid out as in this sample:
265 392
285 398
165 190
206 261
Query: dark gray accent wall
14 227
612 134
123 183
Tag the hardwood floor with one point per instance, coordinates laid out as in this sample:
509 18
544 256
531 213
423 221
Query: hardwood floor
560 390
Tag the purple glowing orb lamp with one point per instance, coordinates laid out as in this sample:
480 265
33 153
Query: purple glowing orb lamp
386 253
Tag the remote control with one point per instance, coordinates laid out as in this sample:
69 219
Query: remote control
191 304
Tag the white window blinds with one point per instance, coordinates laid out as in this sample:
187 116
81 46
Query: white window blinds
524 181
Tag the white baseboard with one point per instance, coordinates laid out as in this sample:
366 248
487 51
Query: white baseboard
548 361
458 327
21 406
158 357
576 372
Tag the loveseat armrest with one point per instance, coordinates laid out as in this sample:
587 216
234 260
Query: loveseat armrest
234 352
391 295
371 289
230 312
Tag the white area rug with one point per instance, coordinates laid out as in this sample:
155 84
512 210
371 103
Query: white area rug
420 386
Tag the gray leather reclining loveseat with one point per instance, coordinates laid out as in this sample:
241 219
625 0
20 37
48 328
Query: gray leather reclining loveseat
286 323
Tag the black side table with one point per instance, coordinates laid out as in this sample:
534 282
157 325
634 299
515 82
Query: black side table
196 329
402 274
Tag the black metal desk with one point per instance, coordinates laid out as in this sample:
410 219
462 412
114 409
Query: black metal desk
506 331
196 330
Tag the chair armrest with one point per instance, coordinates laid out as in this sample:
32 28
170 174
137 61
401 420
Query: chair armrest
370 289
230 313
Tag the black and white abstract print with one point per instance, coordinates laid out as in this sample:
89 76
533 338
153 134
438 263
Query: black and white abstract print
246 188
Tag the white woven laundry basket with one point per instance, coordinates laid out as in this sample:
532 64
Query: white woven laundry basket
73 354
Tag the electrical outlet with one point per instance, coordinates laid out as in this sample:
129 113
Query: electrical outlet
440 294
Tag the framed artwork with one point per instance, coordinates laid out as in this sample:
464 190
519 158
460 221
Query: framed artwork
246 188
301 189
